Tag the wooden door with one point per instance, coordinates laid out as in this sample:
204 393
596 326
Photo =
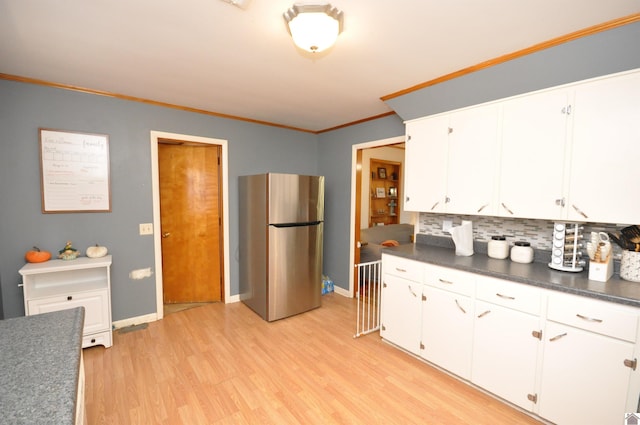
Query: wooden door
190 222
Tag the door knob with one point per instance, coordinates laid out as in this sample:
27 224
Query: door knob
166 234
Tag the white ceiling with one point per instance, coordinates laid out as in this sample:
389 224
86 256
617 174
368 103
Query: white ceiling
211 55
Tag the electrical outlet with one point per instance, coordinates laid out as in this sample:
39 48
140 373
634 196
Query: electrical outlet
447 225
146 228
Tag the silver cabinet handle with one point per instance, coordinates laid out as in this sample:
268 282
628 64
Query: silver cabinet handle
166 234
482 207
406 199
460 307
560 202
589 319
411 290
448 282
506 297
484 314
557 337
400 270
579 211
435 205
506 208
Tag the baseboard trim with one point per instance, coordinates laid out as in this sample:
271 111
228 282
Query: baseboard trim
340 291
147 318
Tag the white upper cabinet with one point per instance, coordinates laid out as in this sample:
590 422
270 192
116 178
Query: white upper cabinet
426 164
565 153
605 166
533 155
473 144
452 158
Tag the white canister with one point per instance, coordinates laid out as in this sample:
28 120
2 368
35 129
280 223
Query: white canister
521 252
498 247
630 266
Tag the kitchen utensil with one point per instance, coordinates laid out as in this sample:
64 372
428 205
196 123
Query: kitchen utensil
631 233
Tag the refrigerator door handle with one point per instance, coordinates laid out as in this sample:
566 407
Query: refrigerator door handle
308 223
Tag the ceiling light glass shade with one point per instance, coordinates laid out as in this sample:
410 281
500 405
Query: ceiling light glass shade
314 28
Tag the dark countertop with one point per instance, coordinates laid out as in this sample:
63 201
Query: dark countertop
40 365
537 273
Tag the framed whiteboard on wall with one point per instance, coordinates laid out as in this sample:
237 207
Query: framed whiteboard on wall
74 170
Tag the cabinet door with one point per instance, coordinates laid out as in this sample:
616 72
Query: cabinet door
426 164
400 311
533 155
505 353
606 149
447 330
584 379
95 303
473 161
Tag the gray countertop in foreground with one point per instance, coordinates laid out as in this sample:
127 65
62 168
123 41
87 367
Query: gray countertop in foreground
39 367
538 274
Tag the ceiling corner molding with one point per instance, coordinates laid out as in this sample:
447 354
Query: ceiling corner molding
36 81
349 124
520 53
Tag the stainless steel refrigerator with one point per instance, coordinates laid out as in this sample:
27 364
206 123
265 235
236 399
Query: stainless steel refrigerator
280 252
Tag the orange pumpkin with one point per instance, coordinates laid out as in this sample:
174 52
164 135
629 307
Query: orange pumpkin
37 256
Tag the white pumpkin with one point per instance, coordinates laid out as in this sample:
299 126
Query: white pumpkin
96 251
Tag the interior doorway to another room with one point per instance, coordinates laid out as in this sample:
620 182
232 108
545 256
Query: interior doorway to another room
190 221
364 197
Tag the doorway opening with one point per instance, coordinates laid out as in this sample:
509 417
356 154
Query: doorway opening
191 232
362 192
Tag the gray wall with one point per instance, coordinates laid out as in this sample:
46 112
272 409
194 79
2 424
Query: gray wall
252 149
603 53
24 108
334 162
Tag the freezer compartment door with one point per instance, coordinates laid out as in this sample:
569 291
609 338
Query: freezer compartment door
295 199
295 270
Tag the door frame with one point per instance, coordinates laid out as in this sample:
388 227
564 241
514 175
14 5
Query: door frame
155 187
354 196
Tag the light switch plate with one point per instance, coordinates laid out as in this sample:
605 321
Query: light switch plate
146 228
447 225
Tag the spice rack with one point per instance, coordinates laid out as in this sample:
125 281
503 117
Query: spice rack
566 253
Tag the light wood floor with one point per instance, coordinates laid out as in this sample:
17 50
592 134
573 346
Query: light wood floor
222 364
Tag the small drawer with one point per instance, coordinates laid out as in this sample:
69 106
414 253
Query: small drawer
102 338
617 321
450 279
513 295
403 267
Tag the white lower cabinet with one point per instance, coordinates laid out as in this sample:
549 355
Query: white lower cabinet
400 312
584 378
447 319
447 330
569 359
505 353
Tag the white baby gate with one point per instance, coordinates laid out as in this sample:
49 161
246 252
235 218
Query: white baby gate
368 291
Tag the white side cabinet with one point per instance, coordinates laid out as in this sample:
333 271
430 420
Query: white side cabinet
84 282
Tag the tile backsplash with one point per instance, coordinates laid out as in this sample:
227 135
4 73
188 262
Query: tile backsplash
538 232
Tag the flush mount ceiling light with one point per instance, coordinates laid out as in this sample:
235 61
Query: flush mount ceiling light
314 27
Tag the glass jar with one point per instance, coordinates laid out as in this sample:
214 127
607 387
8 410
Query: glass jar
498 247
521 252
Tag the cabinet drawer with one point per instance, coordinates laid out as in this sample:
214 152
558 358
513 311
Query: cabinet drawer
95 303
450 279
402 267
593 315
513 295
102 338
